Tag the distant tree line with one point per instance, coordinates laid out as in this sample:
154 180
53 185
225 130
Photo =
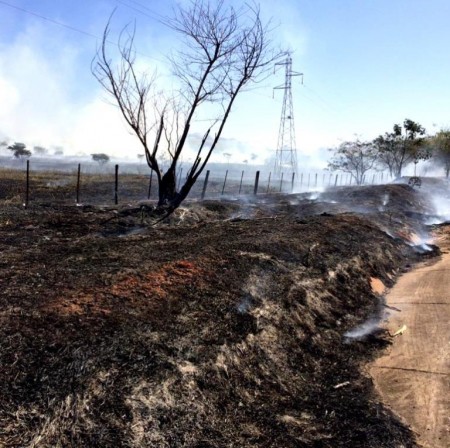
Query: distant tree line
19 150
393 151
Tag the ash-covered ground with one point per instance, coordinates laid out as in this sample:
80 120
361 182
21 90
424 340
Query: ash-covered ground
238 323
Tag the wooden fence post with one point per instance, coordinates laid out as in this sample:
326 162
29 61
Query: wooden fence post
78 183
255 189
268 182
292 182
27 186
240 185
336 180
116 185
224 181
205 184
281 182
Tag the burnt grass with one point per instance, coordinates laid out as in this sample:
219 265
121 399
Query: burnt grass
224 327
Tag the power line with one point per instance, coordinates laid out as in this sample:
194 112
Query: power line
48 19
329 106
151 14
69 27
322 105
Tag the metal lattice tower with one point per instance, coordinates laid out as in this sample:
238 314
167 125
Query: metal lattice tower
286 154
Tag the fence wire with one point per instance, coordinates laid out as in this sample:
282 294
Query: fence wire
33 182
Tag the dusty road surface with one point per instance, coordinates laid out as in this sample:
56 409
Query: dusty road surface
414 375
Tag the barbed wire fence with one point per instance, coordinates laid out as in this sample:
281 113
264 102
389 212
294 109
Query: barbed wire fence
34 182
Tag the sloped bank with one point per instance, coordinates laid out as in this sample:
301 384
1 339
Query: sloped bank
227 333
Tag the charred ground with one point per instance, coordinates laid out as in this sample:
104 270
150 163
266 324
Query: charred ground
224 327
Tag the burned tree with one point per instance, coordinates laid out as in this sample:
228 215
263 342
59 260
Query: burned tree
355 158
224 50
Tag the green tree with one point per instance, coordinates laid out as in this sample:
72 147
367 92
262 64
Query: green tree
355 158
20 150
40 150
402 146
440 145
222 51
100 158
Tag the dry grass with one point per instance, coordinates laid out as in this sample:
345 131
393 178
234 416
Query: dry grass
57 187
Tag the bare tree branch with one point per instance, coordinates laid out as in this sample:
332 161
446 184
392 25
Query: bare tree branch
223 49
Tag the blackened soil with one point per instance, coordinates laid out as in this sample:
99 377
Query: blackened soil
216 330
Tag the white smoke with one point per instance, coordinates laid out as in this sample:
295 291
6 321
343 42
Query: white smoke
363 330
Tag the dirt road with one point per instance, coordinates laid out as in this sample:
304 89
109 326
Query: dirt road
414 375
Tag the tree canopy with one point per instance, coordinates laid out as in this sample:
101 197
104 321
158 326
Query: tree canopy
355 158
440 145
402 146
40 150
20 150
100 158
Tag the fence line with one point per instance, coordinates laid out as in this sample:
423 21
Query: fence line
92 188
27 185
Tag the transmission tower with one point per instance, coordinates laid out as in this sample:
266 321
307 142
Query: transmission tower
286 154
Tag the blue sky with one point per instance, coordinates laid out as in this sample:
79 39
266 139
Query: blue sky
367 64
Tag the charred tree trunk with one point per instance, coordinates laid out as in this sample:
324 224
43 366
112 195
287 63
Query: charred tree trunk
169 198
167 188
182 194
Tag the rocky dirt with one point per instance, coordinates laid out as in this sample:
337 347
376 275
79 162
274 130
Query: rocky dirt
236 324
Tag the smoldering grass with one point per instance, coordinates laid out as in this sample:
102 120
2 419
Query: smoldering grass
363 330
